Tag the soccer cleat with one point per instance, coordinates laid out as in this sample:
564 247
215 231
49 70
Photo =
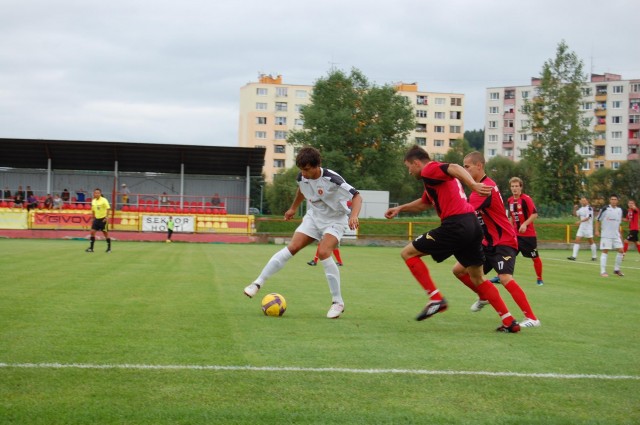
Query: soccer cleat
593 259
540 282
571 258
530 323
478 305
108 251
514 327
312 263
605 274
495 279
251 290
88 250
335 311
339 264
432 307
618 272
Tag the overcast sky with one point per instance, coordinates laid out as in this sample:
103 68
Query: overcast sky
170 71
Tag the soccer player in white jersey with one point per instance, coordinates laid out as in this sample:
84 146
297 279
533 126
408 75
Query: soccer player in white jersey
610 218
585 228
326 220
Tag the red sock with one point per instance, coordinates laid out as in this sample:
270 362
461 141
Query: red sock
489 292
420 271
537 265
315 259
626 247
336 253
638 247
520 298
466 279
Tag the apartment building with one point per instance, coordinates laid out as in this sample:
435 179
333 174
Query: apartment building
610 103
269 109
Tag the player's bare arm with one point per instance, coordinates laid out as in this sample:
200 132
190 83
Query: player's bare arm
356 205
413 206
457 171
291 212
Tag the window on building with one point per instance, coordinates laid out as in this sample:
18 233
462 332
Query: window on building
260 91
299 122
525 94
438 156
261 134
439 115
441 101
616 104
298 108
598 164
508 152
261 106
455 115
635 88
634 119
493 137
438 143
616 150
421 141
452 142
586 150
587 106
616 135
587 91
261 120
509 94
421 128
281 120
278 163
508 123
524 137
494 110
282 91
616 120
618 89
494 95
438 129
455 129
493 124
456 101
507 138
422 100
586 166
278 148
301 94
492 152
421 113
615 165
280 135
281 106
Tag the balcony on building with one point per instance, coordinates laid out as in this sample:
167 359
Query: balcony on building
633 152
421 128
599 151
600 128
600 141
507 144
601 93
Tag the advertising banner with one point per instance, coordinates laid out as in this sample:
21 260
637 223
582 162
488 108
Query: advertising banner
15 220
43 220
158 223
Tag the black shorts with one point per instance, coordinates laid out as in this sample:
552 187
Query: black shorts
528 246
458 235
99 224
500 258
632 236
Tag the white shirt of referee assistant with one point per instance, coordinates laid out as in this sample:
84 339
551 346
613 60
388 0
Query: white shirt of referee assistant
610 219
585 230
327 198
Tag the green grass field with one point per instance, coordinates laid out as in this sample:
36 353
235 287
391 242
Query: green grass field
160 333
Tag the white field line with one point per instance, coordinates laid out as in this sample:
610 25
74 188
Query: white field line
312 369
625 265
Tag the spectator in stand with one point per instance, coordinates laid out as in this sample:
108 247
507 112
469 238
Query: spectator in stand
164 199
6 195
215 200
32 202
80 196
48 202
125 194
19 197
29 191
65 196
57 202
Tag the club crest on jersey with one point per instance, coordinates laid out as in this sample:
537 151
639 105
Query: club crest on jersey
320 192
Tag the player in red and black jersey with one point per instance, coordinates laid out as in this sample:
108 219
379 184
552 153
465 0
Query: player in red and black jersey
632 218
500 241
523 212
459 234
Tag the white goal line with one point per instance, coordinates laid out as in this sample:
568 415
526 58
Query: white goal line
313 369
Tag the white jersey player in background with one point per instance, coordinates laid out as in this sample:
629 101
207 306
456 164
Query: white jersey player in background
326 220
609 220
585 228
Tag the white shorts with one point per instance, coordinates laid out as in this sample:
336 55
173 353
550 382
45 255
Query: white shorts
610 243
315 228
584 233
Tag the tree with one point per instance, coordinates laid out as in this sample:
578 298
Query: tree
558 128
282 191
456 154
501 169
360 128
475 139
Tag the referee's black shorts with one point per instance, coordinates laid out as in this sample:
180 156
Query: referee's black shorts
99 224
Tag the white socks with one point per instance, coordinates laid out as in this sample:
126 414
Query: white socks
618 262
274 265
333 278
603 263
